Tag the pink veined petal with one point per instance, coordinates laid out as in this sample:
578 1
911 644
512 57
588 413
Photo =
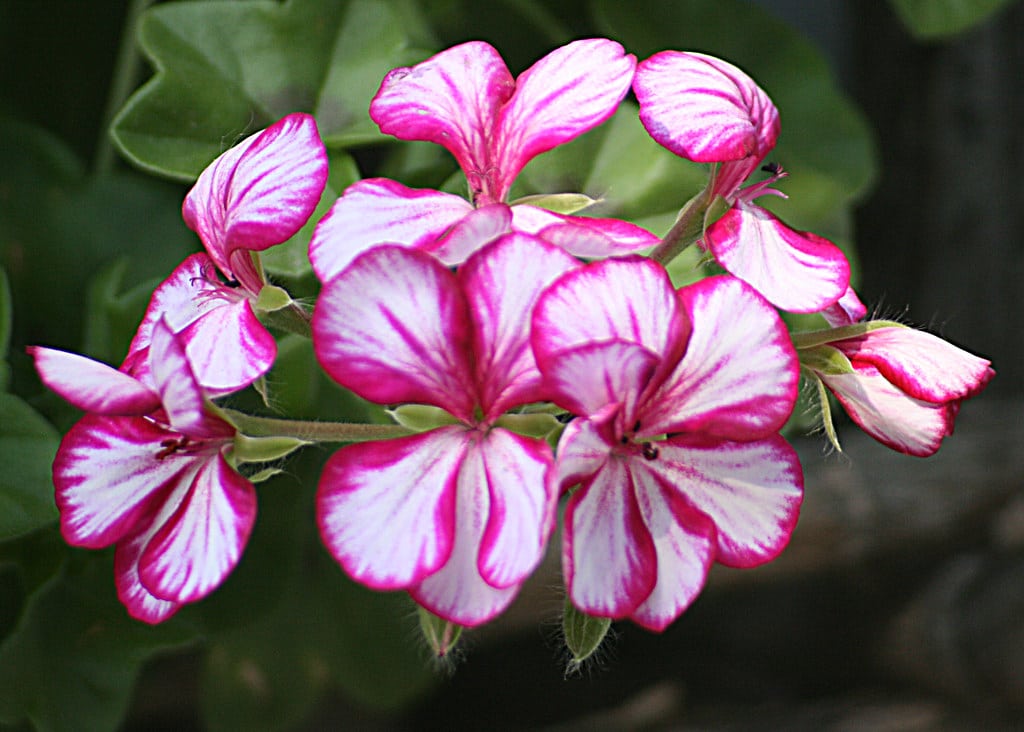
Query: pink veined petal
796 271
584 447
451 99
629 299
457 591
477 228
180 393
92 386
261 192
378 210
520 480
394 327
739 376
707 110
608 556
582 236
684 541
200 543
386 510
502 283
751 491
919 363
897 420
571 90
586 379
140 602
107 474
847 310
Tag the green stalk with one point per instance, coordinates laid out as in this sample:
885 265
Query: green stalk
313 431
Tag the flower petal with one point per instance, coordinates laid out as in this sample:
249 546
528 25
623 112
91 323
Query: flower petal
502 283
472 232
739 376
394 327
582 236
386 510
140 602
908 425
919 363
107 472
751 491
92 386
518 475
198 545
571 90
707 110
260 192
608 556
847 310
684 540
451 99
796 271
375 211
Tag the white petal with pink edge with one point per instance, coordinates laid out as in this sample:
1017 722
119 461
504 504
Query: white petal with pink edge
386 510
140 602
107 473
92 386
394 327
582 236
260 193
751 491
450 99
584 447
517 474
571 90
703 108
847 310
796 271
608 556
201 539
919 363
739 376
477 228
905 424
684 540
502 283
376 211
629 299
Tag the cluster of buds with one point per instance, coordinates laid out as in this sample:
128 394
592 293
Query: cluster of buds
529 353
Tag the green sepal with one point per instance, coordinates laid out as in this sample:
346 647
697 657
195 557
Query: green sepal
560 203
814 338
825 360
272 298
264 474
441 635
264 449
535 424
420 417
826 415
583 633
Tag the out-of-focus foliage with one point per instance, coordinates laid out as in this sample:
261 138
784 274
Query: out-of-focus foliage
933 19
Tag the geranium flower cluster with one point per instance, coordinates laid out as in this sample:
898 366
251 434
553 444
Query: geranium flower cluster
532 354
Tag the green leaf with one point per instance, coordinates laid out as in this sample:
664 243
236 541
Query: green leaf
930 19
226 69
27 446
71 662
6 314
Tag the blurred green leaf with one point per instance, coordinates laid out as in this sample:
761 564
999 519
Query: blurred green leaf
930 19
6 318
71 662
27 446
225 69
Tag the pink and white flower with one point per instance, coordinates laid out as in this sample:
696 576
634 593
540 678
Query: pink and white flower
146 469
457 515
707 110
254 196
900 385
465 99
676 452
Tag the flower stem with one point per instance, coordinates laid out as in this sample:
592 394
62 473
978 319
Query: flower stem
689 227
292 319
254 426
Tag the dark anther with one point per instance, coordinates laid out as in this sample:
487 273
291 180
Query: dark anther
649 451
565 417
233 283
624 440
636 427
170 447
772 168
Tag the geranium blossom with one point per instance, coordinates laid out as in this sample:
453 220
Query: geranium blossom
676 450
457 515
146 469
902 386
465 99
257 194
709 111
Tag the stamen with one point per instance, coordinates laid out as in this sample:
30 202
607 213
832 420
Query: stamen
649 451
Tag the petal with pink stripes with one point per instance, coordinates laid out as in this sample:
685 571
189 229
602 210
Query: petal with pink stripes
92 386
140 602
